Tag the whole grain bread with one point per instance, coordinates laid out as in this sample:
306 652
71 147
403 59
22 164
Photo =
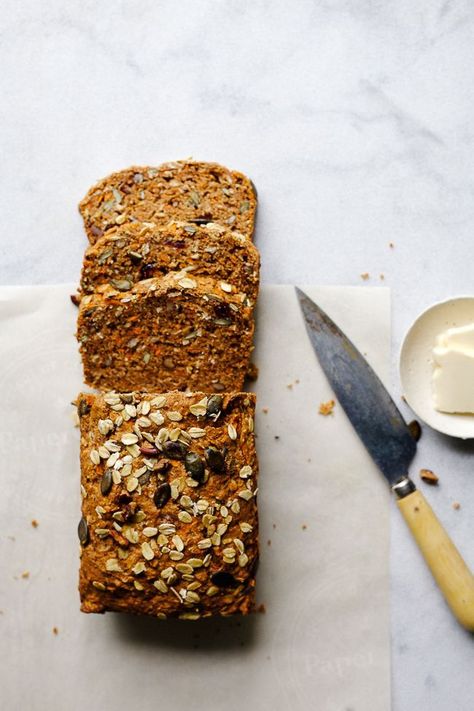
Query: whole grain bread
171 333
138 251
169 514
183 190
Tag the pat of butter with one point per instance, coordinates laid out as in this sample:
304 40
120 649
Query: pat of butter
453 376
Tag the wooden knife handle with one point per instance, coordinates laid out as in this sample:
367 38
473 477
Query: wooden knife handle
454 578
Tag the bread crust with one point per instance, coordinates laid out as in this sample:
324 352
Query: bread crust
195 553
184 190
139 251
171 333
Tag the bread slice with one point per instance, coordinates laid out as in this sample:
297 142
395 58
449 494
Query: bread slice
169 522
184 190
171 333
138 251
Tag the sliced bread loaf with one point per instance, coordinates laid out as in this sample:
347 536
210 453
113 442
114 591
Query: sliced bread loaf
138 251
171 333
182 190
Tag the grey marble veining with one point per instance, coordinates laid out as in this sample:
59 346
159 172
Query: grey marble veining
354 119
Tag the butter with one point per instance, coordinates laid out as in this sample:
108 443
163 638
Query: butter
453 375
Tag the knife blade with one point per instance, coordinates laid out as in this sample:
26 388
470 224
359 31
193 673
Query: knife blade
384 433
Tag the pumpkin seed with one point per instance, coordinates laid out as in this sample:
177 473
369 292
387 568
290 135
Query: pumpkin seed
194 465
106 482
214 406
175 450
215 459
162 495
83 532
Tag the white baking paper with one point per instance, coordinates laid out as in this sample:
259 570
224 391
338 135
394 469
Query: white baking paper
323 642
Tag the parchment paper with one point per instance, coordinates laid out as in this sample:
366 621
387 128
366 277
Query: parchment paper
323 643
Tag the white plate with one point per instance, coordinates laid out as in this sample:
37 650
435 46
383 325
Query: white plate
416 364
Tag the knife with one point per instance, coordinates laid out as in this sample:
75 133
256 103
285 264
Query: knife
383 431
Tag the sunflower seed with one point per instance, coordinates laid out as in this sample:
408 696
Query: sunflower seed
132 483
245 472
83 532
184 568
147 551
94 455
98 586
226 287
199 408
112 565
184 517
129 438
139 567
150 531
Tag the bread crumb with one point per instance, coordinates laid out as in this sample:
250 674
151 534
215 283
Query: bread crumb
252 372
304 527
55 630
297 381
274 525
277 437
365 276
391 245
290 386
429 476
34 523
456 505
26 574
265 410
261 608
269 542
382 277
326 408
415 429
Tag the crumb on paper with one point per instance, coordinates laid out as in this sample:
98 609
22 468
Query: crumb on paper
265 410
365 276
252 372
274 525
55 630
269 542
304 527
415 429
382 277
34 523
391 245
75 299
25 575
277 436
261 608
456 505
402 397
290 386
429 476
326 408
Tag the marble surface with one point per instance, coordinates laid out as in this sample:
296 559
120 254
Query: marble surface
354 119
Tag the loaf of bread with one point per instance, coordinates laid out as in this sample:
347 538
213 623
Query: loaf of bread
184 190
177 332
169 514
138 251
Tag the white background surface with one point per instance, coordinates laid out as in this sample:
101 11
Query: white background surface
324 509
354 119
